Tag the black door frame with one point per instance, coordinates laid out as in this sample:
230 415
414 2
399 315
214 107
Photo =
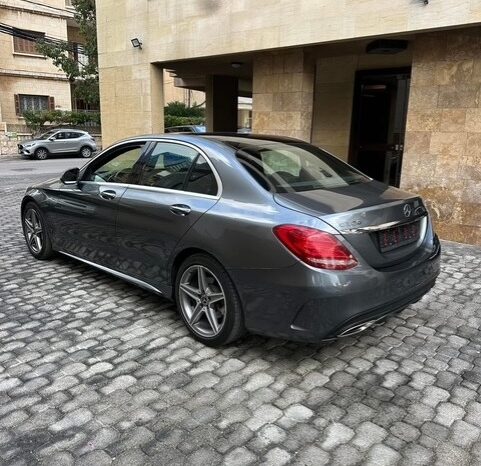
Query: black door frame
355 118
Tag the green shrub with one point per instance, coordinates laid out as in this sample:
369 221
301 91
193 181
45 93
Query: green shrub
172 120
179 109
36 120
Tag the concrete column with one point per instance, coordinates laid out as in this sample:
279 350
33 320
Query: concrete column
157 103
140 95
283 90
221 103
333 98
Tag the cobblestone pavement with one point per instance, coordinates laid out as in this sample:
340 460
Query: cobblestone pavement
94 371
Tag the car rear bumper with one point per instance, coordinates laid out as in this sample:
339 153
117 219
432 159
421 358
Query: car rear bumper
303 304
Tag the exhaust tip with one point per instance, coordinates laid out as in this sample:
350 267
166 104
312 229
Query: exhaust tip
356 329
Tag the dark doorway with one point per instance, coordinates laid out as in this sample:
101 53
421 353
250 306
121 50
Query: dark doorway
379 123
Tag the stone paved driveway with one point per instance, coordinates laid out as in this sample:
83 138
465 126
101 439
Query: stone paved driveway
94 371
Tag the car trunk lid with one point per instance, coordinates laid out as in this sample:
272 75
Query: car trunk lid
384 224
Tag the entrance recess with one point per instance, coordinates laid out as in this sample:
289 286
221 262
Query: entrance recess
379 123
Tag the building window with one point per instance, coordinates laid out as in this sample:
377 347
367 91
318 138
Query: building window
25 41
26 102
78 55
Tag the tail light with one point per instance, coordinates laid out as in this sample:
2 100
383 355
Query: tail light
316 248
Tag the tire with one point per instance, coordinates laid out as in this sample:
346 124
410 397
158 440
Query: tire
86 152
199 310
40 249
41 153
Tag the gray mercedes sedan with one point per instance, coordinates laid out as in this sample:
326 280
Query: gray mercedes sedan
246 233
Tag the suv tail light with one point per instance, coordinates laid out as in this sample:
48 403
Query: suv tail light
316 248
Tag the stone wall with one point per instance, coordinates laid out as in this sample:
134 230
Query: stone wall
283 86
442 159
9 146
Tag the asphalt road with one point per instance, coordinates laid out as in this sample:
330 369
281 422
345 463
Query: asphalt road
94 371
17 166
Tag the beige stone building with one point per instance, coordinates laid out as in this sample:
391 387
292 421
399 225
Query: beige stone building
27 79
176 91
391 87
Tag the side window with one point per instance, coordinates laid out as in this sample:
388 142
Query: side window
201 179
167 166
119 168
60 136
74 135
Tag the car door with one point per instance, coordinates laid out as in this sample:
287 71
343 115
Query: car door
72 141
176 187
84 214
58 143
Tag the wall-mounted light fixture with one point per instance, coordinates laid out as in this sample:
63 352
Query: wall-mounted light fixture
236 64
136 43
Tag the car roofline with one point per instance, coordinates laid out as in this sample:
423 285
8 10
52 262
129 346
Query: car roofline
213 136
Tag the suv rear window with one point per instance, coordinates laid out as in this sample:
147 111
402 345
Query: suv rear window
281 167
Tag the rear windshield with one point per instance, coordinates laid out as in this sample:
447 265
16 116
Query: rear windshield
295 167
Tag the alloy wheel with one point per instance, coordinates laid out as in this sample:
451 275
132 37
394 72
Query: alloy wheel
86 152
33 231
202 301
41 154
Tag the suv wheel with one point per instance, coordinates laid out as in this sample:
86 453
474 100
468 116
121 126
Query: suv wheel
86 152
36 232
41 153
208 301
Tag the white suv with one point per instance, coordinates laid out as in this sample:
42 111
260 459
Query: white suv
59 141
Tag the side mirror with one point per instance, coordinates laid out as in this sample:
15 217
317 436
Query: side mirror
70 176
51 139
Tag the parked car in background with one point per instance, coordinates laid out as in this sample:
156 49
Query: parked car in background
186 129
259 233
58 142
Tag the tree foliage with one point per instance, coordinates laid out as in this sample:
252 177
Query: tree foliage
84 75
36 121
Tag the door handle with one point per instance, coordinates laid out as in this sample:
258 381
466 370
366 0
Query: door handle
180 209
108 194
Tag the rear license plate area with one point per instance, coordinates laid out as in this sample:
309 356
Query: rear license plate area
398 236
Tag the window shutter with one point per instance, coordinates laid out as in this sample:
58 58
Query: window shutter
17 104
51 103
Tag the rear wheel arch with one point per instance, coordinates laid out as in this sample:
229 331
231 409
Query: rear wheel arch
182 256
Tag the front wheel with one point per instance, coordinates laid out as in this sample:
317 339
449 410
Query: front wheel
208 301
36 233
41 154
86 152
